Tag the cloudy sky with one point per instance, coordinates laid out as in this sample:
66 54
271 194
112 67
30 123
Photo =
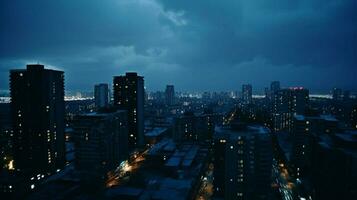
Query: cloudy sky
196 45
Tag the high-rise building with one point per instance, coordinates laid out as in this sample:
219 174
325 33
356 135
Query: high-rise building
101 95
274 87
353 118
129 95
194 128
286 104
335 161
305 129
267 93
5 136
170 95
206 96
37 109
337 94
101 142
247 94
346 95
242 162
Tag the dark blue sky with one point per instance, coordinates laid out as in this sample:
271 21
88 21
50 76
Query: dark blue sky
195 45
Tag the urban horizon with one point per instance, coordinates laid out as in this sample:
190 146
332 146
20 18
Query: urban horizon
256 91
178 100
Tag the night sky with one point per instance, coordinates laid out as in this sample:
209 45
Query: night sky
196 45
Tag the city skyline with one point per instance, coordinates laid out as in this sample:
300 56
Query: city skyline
219 145
178 99
191 45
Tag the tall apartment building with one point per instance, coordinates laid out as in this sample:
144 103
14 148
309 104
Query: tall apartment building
170 95
247 94
194 128
129 95
101 143
37 110
286 104
304 134
101 95
242 162
334 166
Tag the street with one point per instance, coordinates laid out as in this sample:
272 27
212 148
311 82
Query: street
125 169
283 181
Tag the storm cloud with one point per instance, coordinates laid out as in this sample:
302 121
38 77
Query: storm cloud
196 45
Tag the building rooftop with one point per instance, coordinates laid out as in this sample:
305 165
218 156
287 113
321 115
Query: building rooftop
102 114
166 144
173 189
345 142
300 117
124 192
329 118
173 178
174 161
322 117
348 136
241 131
157 131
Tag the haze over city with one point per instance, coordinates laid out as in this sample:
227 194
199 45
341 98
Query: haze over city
196 45
178 99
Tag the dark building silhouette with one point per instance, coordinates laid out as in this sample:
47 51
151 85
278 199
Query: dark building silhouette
129 95
170 95
337 94
37 111
353 118
346 95
242 162
101 95
274 87
247 94
5 135
305 130
194 128
101 143
335 164
286 104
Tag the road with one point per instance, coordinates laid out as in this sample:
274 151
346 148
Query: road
230 117
206 188
125 169
283 181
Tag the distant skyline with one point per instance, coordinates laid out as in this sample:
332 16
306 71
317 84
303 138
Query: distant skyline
195 45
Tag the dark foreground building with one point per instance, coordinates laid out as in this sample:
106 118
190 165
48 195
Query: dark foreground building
101 144
37 111
334 165
101 95
242 162
37 115
129 95
170 95
286 104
